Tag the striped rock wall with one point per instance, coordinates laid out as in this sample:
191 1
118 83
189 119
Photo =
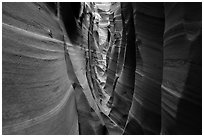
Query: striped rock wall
165 61
145 112
115 48
167 84
46 89
182 80
53 82
122 95
37 91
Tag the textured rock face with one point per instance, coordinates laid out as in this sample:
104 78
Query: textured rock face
101 68
146 103
37 91
116 28
45 87
181 85
167 52
122 96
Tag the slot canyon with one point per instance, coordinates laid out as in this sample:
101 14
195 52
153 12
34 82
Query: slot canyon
102 68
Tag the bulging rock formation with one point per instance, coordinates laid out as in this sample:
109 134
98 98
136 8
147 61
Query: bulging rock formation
102 68
124 88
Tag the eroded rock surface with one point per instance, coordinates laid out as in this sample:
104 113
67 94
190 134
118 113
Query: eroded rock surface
101 68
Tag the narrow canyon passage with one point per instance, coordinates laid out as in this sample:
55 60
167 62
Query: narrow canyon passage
101 68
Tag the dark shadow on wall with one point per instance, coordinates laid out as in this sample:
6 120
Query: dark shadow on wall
69 13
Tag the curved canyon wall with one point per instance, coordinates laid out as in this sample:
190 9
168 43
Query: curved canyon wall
45 88
101 68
